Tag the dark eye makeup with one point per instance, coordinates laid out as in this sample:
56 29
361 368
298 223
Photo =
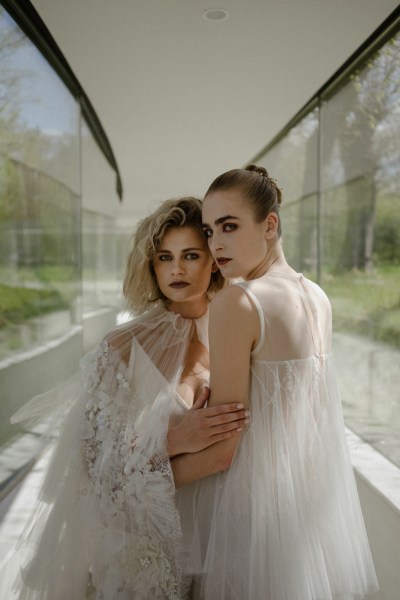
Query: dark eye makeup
229 227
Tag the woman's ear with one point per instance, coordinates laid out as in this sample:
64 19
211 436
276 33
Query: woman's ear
271 225
214 267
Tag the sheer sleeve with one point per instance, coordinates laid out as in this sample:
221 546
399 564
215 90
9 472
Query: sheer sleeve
107 525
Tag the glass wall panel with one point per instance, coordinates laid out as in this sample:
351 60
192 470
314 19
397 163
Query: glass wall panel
57 195
360 189
101 275
293 162
341 220
38 113
39 197
101 281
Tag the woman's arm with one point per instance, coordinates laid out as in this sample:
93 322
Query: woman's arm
234 330
201 427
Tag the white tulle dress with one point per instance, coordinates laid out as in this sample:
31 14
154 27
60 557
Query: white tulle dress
107 527
284 523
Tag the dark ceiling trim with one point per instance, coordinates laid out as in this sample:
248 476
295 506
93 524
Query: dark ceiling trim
27 18
389 27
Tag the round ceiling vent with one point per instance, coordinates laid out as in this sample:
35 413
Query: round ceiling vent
215 14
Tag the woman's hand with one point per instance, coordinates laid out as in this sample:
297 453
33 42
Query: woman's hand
201 427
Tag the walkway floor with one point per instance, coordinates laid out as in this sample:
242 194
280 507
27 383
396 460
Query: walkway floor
17 507
15 515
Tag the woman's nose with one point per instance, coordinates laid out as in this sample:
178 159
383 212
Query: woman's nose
215 244
178 267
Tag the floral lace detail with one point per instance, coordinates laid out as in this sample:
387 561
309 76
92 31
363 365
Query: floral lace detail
148 562
105 391
98 366
122 382
145 571
133 488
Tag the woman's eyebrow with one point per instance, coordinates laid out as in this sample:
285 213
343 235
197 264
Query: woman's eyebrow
221 220
183 250
197 249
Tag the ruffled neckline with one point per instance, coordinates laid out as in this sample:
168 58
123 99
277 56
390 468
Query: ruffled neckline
159 312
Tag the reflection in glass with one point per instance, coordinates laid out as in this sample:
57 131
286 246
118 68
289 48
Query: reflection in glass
50 166
101 287
39 201
293 163
361 192
341 184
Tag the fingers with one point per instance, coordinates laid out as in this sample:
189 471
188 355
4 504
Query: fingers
225 436
231 418
220 409
229 427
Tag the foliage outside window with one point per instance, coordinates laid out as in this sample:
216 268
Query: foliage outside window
41 169
339 168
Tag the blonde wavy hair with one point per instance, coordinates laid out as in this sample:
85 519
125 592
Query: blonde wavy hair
140 284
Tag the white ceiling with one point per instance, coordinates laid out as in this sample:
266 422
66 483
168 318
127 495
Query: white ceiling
183 99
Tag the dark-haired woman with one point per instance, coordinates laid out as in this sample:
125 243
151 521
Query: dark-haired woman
284 522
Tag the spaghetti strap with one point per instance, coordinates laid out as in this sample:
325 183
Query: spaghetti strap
256 303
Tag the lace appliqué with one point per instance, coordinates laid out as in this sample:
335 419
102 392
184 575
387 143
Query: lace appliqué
107 387
149 563
132 487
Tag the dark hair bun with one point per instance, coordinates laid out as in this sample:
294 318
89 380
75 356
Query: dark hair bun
271 180
257 169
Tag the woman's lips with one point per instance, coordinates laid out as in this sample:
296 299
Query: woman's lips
223 261
178 284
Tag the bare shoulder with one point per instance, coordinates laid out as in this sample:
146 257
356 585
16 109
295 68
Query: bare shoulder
320 294
233 314
232 299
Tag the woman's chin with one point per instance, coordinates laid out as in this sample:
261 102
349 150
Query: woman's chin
230 272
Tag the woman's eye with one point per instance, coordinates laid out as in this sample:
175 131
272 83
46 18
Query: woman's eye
191 256
229 227
207 233
164 257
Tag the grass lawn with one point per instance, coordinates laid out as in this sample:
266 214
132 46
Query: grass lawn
18 304
367 303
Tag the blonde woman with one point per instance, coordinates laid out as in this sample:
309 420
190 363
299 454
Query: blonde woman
109 528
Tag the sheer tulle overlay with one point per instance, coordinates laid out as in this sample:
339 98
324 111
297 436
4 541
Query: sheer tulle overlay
284 523
107 527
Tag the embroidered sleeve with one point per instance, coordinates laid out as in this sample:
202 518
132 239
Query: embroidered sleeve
107 389
133 485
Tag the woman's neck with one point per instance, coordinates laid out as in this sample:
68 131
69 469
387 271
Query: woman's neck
274 261
192 309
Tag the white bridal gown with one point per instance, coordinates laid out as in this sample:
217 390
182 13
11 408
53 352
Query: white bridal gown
284 523
107 527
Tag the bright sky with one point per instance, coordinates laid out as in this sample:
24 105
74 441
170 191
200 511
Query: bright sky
43 100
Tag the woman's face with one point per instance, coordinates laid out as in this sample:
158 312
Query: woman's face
237 242
183 266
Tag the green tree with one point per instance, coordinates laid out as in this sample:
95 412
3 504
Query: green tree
371 120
